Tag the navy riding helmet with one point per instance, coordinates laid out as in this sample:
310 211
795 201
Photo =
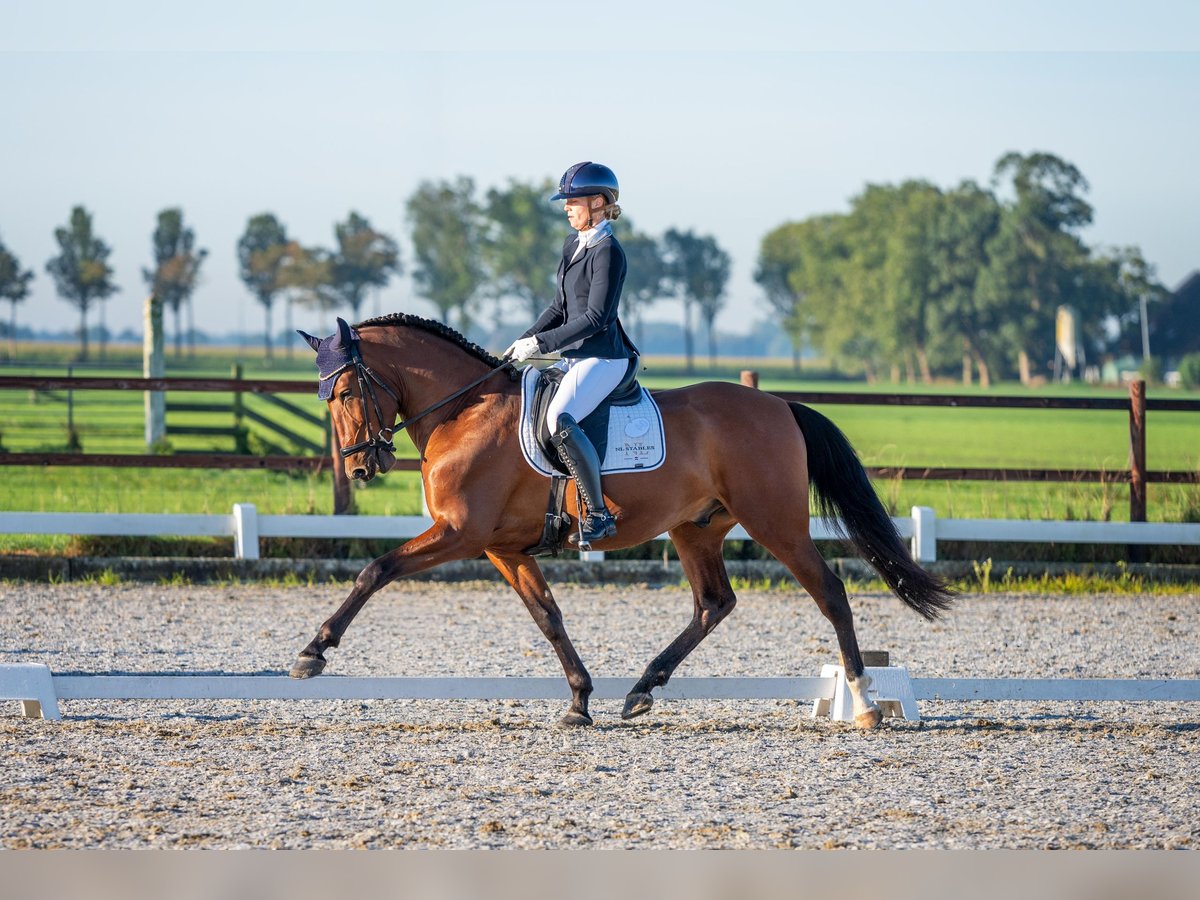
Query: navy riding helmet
586 179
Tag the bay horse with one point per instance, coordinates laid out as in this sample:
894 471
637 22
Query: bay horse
735 455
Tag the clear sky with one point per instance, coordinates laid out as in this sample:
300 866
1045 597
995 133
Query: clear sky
725 119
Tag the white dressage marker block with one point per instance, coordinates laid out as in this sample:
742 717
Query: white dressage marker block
890 687
33 685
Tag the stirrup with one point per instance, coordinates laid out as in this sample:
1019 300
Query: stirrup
596 526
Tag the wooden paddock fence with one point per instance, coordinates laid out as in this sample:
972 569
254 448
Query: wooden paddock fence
1137 476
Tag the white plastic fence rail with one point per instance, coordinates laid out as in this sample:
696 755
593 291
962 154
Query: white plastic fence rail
247 527
39 691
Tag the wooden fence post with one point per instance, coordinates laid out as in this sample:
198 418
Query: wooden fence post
154 366
71 436
1137 463
749 378
240 444
1137 451
343 500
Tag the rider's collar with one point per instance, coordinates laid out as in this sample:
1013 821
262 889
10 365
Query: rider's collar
593 236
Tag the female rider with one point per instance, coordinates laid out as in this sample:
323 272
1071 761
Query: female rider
582 326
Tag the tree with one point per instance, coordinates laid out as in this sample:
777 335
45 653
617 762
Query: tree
708 287
1119 282
81 272
777 257
522 241
365 258
1175 320
698 270
923 280
176 266
446 240
967 220
308 274
907 276
645 276
1035 255
262 256
14 287
801 268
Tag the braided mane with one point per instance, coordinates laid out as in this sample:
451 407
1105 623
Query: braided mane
436 328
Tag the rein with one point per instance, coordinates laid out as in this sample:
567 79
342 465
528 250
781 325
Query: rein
366 375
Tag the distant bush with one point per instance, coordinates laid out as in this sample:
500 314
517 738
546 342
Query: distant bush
1189 370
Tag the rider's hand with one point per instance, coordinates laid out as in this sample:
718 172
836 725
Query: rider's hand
521 349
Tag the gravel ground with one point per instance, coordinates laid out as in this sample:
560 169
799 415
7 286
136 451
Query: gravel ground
689 774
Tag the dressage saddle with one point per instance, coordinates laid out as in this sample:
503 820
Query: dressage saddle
628 392
595 425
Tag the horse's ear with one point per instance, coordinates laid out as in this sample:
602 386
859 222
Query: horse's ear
314 342
346 335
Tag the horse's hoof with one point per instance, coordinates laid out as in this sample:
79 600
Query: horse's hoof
308 667
869 719
575 719
637 705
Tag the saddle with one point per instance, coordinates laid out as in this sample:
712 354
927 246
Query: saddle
558 523
595 424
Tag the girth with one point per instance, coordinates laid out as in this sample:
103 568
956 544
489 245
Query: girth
595 425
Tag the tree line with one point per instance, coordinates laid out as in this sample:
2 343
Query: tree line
919 280
914 281
83 277
476 254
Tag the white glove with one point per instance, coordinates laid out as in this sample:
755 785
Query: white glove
521 349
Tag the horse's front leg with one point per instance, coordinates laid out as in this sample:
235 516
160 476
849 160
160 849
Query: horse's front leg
522 572
441 543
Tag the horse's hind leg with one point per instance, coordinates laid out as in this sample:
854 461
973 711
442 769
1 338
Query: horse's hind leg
522 572
805 562
700 552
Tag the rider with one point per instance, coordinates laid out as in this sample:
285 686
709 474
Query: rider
582 325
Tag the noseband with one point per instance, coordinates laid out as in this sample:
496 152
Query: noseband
365 375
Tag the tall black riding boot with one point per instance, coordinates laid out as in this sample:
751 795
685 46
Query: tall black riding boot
581 460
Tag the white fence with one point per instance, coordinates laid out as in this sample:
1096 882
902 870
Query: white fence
247 527
39 690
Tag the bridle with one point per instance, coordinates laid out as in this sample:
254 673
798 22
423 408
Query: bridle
367 379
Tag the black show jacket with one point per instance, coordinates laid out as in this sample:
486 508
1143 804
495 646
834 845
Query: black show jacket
582 321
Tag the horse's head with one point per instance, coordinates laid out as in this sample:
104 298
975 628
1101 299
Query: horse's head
362 406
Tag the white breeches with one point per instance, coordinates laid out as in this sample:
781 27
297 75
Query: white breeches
584 386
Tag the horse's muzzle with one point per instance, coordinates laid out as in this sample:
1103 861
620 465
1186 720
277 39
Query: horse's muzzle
376 462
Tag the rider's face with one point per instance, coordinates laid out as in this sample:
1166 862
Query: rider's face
579 211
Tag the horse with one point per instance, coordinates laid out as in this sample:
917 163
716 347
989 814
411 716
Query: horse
735 455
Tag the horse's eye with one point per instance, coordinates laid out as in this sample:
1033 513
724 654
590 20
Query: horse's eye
345 396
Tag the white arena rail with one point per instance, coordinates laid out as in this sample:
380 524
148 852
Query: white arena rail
39 690
247 527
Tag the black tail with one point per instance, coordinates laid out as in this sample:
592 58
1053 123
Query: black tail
843 492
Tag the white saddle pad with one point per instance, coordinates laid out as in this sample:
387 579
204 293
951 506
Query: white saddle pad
635 434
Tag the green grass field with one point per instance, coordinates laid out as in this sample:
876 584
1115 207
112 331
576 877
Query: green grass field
111 421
